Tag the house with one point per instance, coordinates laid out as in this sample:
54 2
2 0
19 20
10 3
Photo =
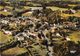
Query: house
20 38
5 9
67 38
57 34
72 51
5 21
7 32
72 11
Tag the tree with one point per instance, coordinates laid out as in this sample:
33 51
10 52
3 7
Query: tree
42 2
14 3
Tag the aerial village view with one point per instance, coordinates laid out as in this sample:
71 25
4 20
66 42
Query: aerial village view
39 27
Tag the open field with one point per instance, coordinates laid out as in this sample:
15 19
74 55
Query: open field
14 51
75 36
57 8
67 15
4 38
5 13
1 7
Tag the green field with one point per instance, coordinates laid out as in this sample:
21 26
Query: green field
14 51
5 39
75 36
57 8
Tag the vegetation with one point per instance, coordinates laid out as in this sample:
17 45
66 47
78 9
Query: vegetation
4 38
50 19
75 37
14 51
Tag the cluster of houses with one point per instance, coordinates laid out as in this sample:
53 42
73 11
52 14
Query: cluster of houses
29 30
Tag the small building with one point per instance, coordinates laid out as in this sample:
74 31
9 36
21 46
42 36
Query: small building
72 51
4 21
7 32
68 39
20 38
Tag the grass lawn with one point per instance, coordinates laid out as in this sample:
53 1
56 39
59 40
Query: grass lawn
14 51
72 5
1 7
26 14
57 8
5 13
67 15
9 7
40 51
5 39
75 36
